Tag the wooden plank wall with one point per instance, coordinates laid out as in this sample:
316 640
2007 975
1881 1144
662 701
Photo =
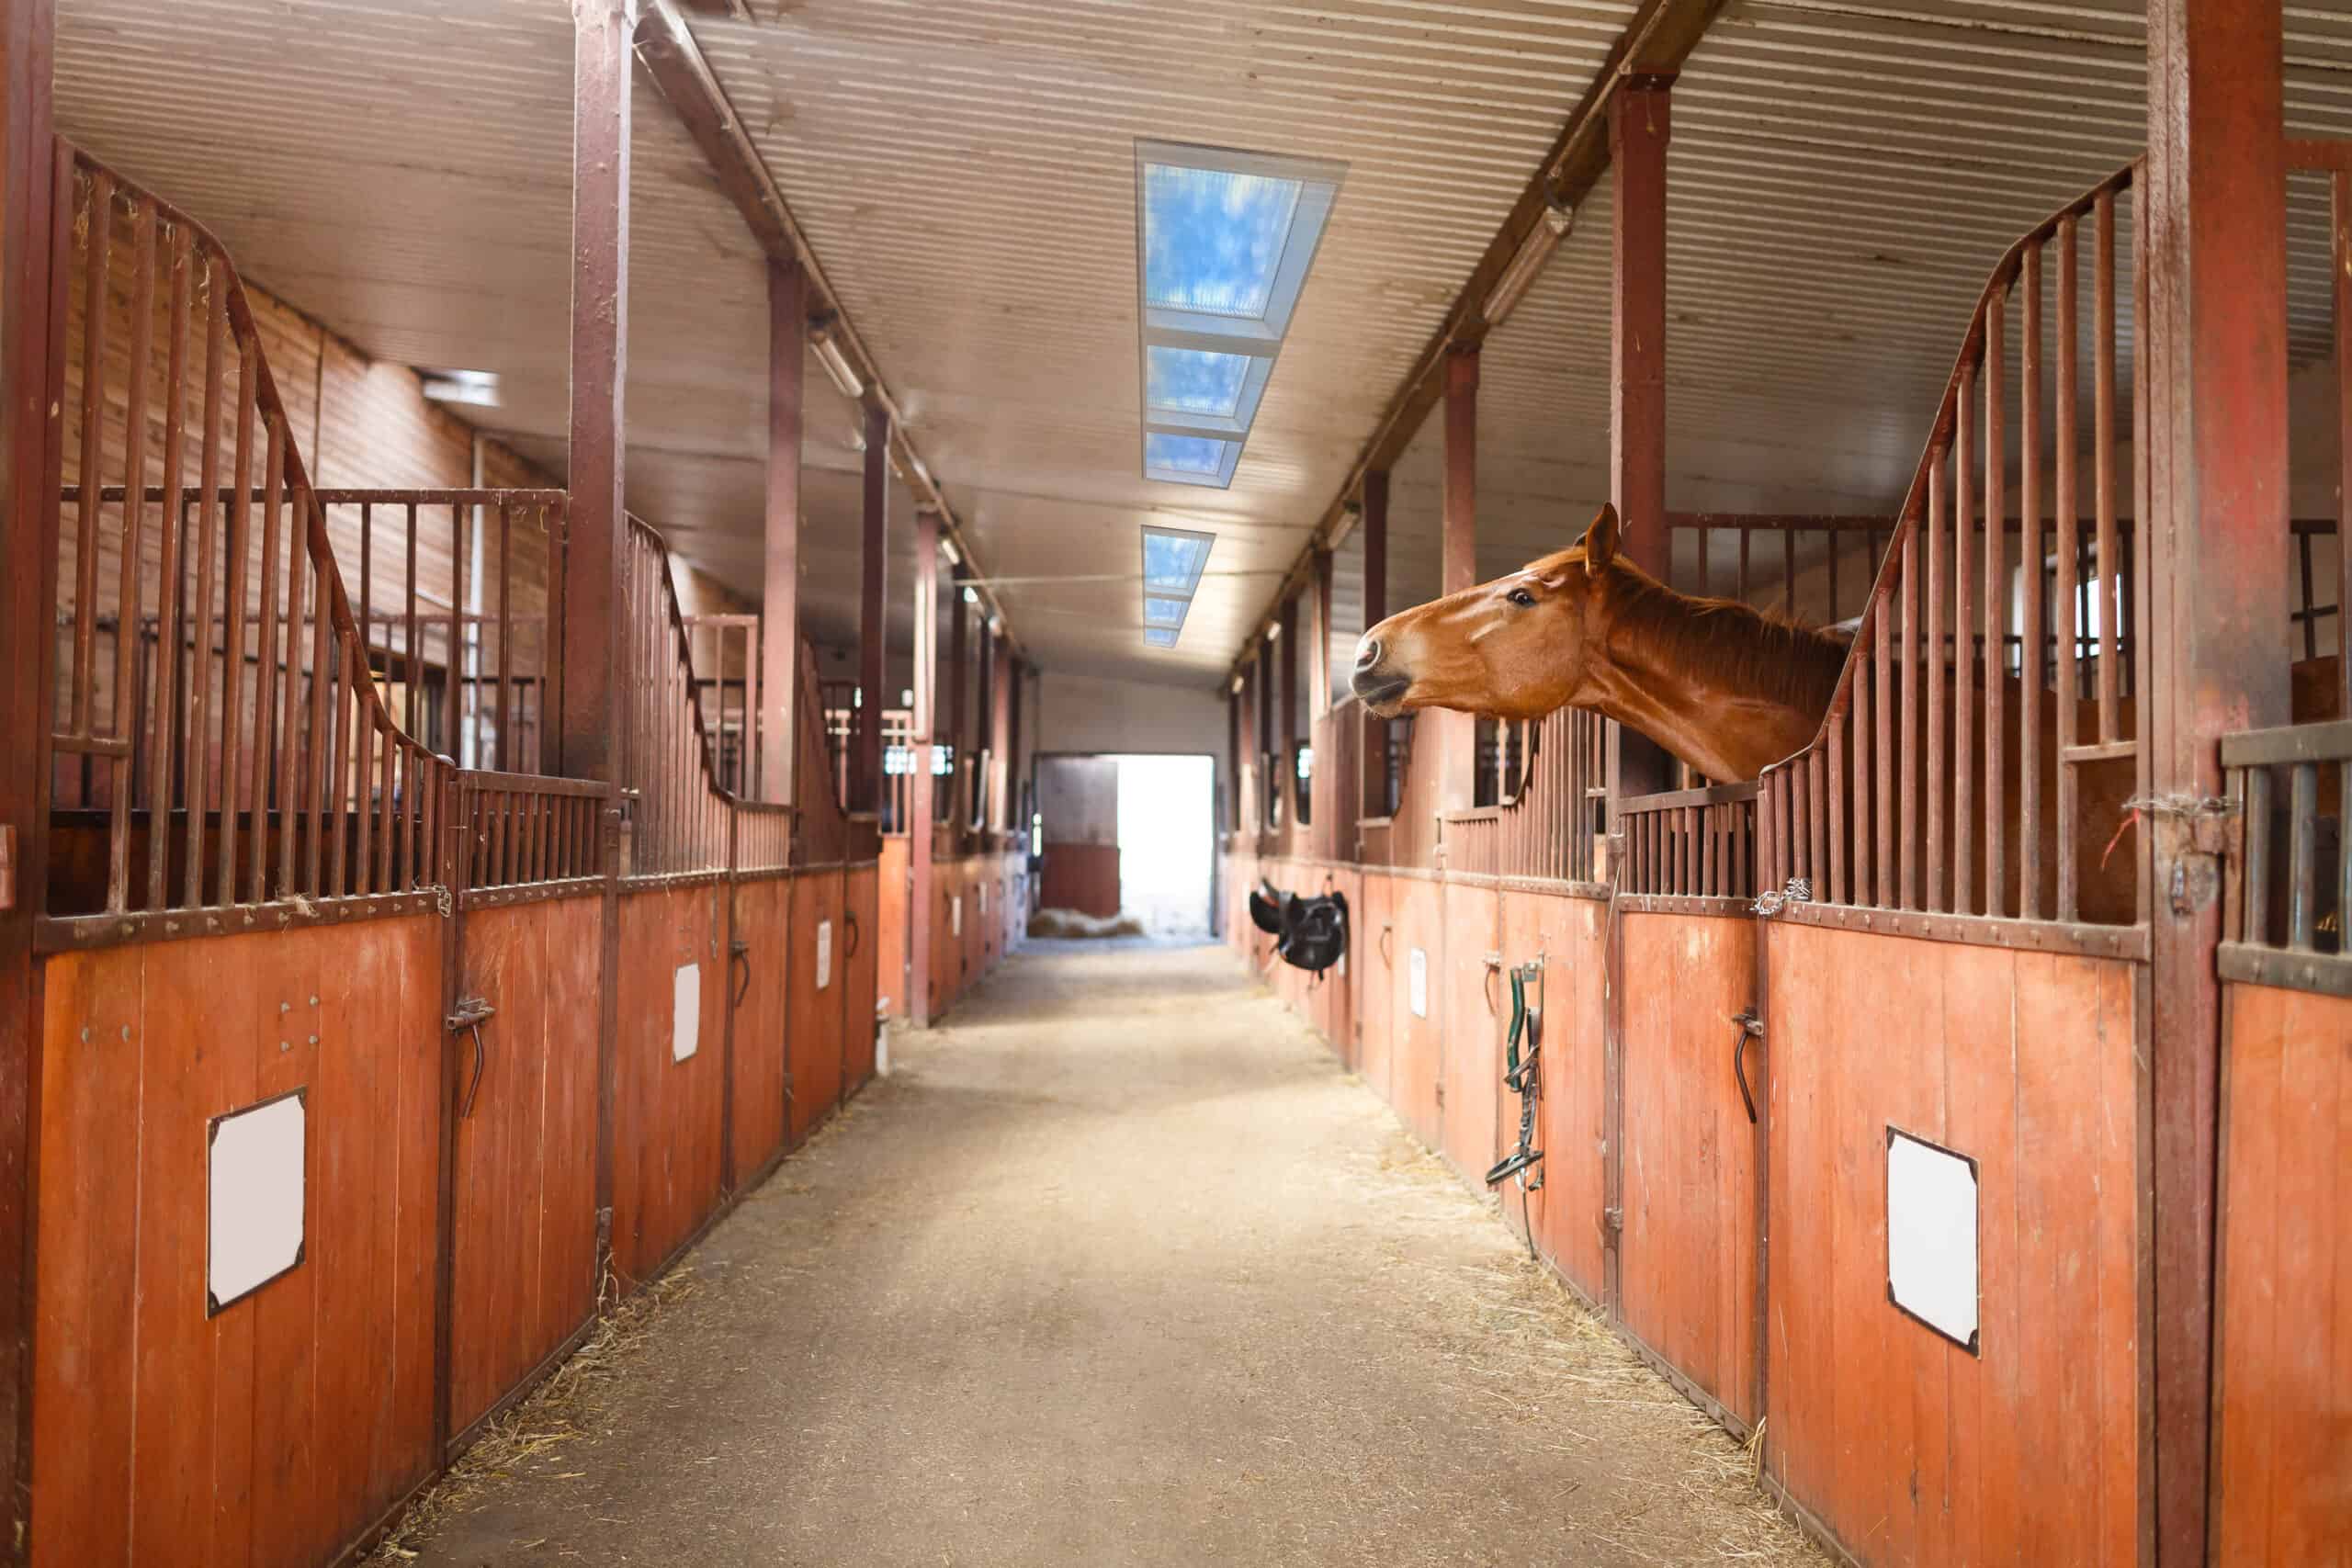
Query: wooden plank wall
2283 1442
815 1033
1688 1255
1906 1446
1084 877
861 899
1473 1008
891 959
1569 936
666 1112
763 919
961 956
524 1208
237 1439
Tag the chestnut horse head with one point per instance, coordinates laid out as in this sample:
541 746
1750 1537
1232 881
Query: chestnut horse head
1724 686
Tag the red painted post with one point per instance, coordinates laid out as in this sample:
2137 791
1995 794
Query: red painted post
919 792
1286 765
593 596
1456 733
27 593
780 603
2213 555
1639 124
1000 676
865 772
1375 610
1320 665
958 682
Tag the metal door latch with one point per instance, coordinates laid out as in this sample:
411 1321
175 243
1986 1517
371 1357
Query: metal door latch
472 1014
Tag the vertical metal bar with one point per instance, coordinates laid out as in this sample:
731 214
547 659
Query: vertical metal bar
232 636
1829 537
269 744
2104 594
1744 535
172 524
2032 616
1834 889
389 783
2302 854
200 739
2068 695
338 774
505 637
2256 892
1789 570
2340 215
98 262
1964 712
289 742
1996 661
1914 675
131 547
318 746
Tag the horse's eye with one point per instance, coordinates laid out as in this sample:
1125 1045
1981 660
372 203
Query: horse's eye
1521 597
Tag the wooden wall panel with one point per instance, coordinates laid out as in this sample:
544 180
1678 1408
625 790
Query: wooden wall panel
763 919
1084 877
890 955
1476 1012
862 899
667 1113
813 1033
1416 1059
247 1447
1342 981
1907 1447
524 1209
1377 983
2283 1482
1688 1279
1570 936
969 946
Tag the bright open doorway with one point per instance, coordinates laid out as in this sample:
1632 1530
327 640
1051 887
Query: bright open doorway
1167 841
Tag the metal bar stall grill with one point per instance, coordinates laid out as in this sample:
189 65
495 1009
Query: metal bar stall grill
724 654
678 815
2013 674
236 743
2285 918
1550 822
1690 843
526 836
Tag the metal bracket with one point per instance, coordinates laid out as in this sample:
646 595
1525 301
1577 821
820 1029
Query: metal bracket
1613 1221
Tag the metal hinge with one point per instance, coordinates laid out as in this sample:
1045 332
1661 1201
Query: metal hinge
1613 1219
8 865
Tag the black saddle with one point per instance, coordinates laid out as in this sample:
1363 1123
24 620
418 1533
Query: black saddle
1309 933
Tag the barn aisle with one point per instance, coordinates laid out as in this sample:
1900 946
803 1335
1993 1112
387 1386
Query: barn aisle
1118 1268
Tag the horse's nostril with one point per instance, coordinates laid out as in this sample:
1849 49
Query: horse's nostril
1368 653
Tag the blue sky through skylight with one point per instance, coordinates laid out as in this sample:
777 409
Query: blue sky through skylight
1184 454
1193 380
1213 239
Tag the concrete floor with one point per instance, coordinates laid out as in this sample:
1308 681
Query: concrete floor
1119 1266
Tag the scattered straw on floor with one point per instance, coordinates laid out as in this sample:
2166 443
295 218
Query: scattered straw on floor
1074 924
554 1414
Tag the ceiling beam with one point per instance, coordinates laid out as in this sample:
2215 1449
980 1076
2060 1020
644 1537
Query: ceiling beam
676 63
1655 43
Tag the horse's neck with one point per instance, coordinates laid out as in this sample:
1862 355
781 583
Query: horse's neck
1720 686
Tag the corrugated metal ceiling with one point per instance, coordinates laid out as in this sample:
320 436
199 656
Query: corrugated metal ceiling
1843 176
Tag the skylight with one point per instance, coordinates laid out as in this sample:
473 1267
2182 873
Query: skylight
1226 240
1173 559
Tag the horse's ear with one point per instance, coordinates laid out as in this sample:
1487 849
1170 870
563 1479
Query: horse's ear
1601 540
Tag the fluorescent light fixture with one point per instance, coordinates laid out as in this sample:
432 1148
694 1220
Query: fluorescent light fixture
906 696
1554 225
1173 559
478 388
836 364
1226 239
996 625
971 596
948 547
1274 632
1237 686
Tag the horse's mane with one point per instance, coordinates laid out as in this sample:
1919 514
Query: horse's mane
1729 643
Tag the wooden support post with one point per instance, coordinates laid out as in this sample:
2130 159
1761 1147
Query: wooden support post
1638 127
865 772
1286 765
2214 561
779 751
1232 822
1374 766
920 897
1001 677
959 680
1455 734
29 433
1262 686
599 519
1013 775
1320 665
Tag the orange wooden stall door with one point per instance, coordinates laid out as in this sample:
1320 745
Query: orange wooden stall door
1687 1277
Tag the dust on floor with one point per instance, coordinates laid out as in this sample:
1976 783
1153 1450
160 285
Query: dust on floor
1119 1266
